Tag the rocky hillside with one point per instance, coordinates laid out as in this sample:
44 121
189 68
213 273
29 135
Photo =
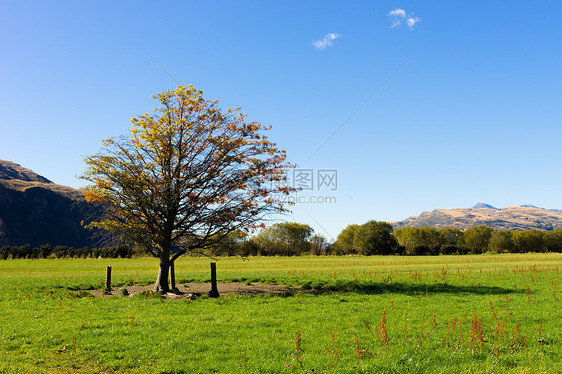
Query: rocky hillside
511 218
36 211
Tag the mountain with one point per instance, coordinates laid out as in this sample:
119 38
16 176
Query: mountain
10 171
532 206
510 218
483 206
36 211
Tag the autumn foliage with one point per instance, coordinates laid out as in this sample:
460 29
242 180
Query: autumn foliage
187 175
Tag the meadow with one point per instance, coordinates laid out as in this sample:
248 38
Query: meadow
474 313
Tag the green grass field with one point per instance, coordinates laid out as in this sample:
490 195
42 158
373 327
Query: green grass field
371 314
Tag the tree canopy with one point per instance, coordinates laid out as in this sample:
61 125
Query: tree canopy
477 238
374 238
344 241
187 175
501 241
287 239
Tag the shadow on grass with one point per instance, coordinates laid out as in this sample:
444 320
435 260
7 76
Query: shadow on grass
416 289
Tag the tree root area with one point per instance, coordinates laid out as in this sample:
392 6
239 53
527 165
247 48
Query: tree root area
195 290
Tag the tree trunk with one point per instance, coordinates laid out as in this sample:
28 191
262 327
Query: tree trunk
162 280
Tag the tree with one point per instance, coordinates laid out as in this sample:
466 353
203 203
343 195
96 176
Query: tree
45 250
344 241
405 237
286 239
451 241
501 241
5 252
451 236
529 241
418 240
553 240
229 245
318 244
187 175
476 238
374 238
249 248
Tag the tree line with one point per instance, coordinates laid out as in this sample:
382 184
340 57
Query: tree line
379 238
60 251
476 240
371 238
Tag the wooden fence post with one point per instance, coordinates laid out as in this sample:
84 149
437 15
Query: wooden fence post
214 291
172 276
108 279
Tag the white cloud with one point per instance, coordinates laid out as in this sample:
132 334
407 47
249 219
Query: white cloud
326 41
398 15
412 21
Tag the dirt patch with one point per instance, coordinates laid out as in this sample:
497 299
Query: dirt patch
194 290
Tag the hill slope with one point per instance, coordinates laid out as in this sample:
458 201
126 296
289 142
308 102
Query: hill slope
510 218
36 211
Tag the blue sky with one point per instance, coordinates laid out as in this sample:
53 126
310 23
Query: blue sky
473 115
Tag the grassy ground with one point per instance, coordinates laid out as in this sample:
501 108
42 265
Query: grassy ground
374 314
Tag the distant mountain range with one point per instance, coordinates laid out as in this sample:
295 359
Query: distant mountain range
36 211
523 217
